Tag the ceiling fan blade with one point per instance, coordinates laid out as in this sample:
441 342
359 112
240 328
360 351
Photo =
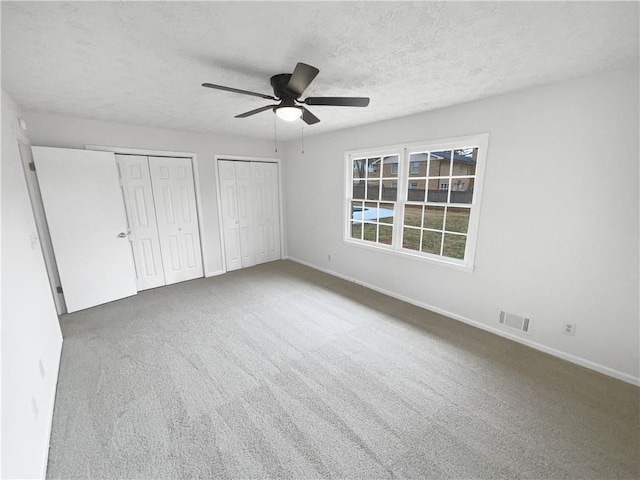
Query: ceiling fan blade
301 77
338 101
308 117
236 90
253 112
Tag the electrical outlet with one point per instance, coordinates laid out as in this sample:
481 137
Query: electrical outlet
569 328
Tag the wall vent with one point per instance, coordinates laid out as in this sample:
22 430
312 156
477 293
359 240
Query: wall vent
512 320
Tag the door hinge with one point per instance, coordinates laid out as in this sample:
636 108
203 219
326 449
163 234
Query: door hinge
32 167
59 289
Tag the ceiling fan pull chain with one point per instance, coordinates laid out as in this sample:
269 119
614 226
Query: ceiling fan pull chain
275 133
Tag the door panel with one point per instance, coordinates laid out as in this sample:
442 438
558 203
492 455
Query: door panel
245 218
229 209
266 211
179 233
141 214
86 217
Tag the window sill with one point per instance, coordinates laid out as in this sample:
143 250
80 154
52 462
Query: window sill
406 255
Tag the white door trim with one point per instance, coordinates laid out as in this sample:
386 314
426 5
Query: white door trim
196 183
44 236
247 158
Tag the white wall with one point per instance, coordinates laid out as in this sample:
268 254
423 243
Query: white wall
30 329
558 234
66 132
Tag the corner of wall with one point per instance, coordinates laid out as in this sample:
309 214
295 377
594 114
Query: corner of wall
31 336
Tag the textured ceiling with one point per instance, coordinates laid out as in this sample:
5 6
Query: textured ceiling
142 63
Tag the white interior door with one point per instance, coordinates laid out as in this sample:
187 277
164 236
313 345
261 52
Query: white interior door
266 208
229 209
86 217
175 201
135 180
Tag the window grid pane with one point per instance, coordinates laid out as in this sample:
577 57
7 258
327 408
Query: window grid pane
359 187
373 167
359 168
390 166
454 245
411 238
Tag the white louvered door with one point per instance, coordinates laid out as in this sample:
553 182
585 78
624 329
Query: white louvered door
179 233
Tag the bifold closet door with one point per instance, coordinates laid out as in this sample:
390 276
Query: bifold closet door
135 180
87 221
176 214
266 211
249 201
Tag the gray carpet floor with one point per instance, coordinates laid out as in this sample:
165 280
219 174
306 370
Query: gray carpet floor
280 371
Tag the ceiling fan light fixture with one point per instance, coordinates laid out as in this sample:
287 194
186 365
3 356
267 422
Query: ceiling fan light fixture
289 114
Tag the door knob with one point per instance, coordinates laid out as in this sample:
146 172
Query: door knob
122 235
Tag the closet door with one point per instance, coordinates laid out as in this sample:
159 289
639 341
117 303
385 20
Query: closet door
266 208
245 218
229 208
175 201
141 215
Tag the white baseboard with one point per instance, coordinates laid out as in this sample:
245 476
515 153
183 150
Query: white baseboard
583 362
213 274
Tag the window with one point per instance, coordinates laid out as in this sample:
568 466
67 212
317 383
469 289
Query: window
419 200
374 192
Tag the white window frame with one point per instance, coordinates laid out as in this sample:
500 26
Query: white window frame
481 141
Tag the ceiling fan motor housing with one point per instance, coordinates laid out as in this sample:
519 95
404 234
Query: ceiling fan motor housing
279 83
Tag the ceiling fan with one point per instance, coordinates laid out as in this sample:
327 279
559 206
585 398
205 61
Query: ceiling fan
287 89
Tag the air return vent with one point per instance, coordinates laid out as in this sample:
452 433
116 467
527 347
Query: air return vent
515 321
